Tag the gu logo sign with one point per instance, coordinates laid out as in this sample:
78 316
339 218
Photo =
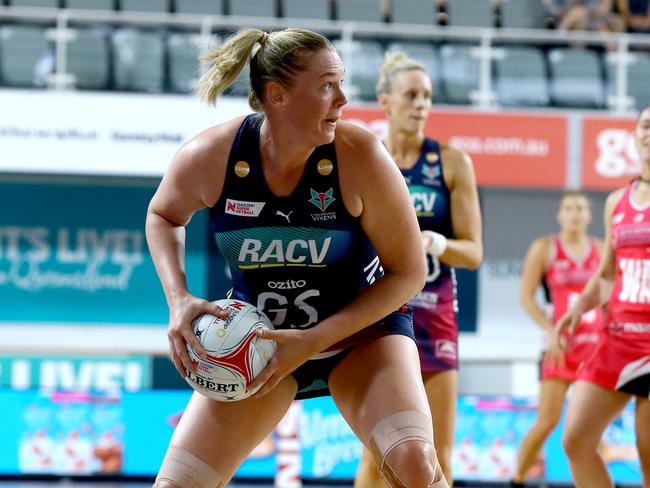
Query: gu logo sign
610 158
617 154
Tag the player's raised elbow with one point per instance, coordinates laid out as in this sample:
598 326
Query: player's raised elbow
527 299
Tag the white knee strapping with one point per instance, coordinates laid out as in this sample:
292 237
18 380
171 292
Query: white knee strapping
394 430
187 471
441 483
400 427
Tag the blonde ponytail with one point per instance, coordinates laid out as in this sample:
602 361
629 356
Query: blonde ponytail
227 61
279 57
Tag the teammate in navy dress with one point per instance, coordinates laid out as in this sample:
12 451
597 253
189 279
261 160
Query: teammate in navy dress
618 368
296 198
443 192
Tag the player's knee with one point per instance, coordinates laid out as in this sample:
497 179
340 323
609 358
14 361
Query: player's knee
182 469
573 443
413 463
402 447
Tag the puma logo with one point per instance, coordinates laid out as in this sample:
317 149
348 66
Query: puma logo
286 216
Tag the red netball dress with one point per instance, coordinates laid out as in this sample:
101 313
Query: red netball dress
621 359
565 278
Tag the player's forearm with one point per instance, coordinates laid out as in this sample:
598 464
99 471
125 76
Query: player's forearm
384 297
590 297
536 313
463 253
166 243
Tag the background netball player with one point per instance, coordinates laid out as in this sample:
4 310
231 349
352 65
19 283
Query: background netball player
295 158
563 263
443 191
618 368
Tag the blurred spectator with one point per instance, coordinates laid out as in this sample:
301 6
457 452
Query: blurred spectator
586 15
636 14
384 5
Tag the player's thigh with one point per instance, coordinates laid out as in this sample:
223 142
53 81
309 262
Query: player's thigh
551 399
223 433
377 379
591 409
442 394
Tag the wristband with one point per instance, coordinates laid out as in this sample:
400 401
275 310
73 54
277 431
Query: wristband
438 243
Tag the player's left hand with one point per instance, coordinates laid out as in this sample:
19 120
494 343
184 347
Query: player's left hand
291 350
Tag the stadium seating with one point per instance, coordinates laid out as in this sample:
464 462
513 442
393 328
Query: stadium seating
363 62
413 12
306 9
26 57
459 72
576 78
211 7
145 5
470 13
638 74
138 60
638 80
105 56
34 3
355 10
184 65
521 77
91 4
523 14
257 8
88 59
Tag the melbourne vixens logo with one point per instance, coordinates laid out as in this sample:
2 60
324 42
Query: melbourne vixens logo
430 174
322 200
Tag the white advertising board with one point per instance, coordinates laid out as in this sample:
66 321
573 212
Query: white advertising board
116 134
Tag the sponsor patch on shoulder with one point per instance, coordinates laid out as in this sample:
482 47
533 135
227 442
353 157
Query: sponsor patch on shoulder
243 208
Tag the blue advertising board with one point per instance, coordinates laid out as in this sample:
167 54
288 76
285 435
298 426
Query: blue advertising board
78 252
128 433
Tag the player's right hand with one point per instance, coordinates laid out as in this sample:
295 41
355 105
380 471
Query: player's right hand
182 313
556 350
569 320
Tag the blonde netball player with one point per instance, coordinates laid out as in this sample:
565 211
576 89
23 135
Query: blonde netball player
290 199
443 192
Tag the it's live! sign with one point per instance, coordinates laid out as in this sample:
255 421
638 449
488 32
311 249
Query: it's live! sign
508 150
609 156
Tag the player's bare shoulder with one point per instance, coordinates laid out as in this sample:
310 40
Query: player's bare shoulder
210 147
357 149
362 158
455 163
612 200
202 161
541 248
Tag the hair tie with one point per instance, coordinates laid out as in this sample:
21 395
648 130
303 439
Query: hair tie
263 39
